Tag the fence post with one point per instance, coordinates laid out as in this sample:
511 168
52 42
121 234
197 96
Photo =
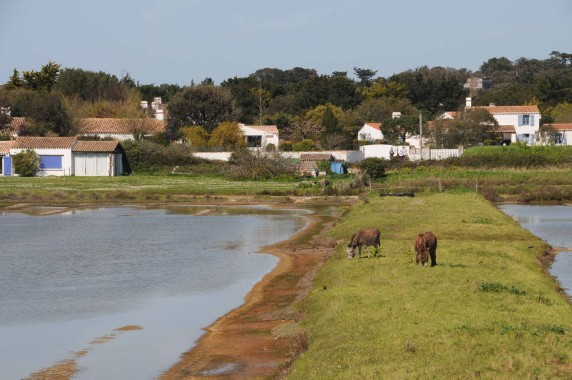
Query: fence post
440 186
477 186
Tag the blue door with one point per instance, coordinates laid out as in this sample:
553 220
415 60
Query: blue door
7 166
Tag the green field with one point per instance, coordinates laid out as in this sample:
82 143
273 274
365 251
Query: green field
487 310
139 188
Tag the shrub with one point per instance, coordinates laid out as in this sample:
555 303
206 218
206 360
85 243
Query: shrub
148 156
285 146
253 166
374 167
26 163
270 148
304 145
324 166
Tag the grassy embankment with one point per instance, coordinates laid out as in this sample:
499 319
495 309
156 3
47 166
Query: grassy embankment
542 184
487 310
135 188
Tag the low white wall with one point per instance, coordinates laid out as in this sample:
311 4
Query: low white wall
339 155
382 150
222 156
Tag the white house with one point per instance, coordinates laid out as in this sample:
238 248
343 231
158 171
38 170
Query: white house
370 132
563 133
516 123
260 136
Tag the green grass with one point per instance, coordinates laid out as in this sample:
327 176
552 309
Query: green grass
550 184
487 310
136 187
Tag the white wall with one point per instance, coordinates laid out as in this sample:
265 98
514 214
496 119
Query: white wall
339 155
66 155
222 156
114 136
382 150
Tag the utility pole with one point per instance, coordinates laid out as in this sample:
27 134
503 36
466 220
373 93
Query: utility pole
421 136
259 101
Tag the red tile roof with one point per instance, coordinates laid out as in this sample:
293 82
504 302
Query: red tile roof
562 126
375 125
510 109
96 146
5 147
119 126
506 129
264 128
44 142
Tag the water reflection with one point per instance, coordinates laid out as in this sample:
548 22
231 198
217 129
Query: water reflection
71 277
553 224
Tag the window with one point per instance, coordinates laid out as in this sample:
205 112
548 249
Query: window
254 141
51 162
526 119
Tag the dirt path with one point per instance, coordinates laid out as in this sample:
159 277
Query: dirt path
261 338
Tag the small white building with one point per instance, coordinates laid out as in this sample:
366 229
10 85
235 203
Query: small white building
65 156
260 136
370 132
99 158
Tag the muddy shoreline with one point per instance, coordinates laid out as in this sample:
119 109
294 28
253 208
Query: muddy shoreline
262 338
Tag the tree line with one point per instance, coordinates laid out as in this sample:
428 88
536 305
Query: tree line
315 110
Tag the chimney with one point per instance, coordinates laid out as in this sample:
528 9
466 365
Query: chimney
468 102
395 115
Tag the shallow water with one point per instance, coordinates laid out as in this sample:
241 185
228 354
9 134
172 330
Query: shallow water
553 224
68 281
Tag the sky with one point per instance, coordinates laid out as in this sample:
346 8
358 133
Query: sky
180 41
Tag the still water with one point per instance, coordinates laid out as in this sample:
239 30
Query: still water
553 224
122 292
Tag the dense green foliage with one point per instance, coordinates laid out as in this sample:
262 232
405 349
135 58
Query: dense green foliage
373 167
203 105
26 163
149 157
486 310
292 98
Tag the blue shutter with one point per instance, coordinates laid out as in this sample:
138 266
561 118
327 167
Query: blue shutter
7 166
519 120
531 119
50 162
